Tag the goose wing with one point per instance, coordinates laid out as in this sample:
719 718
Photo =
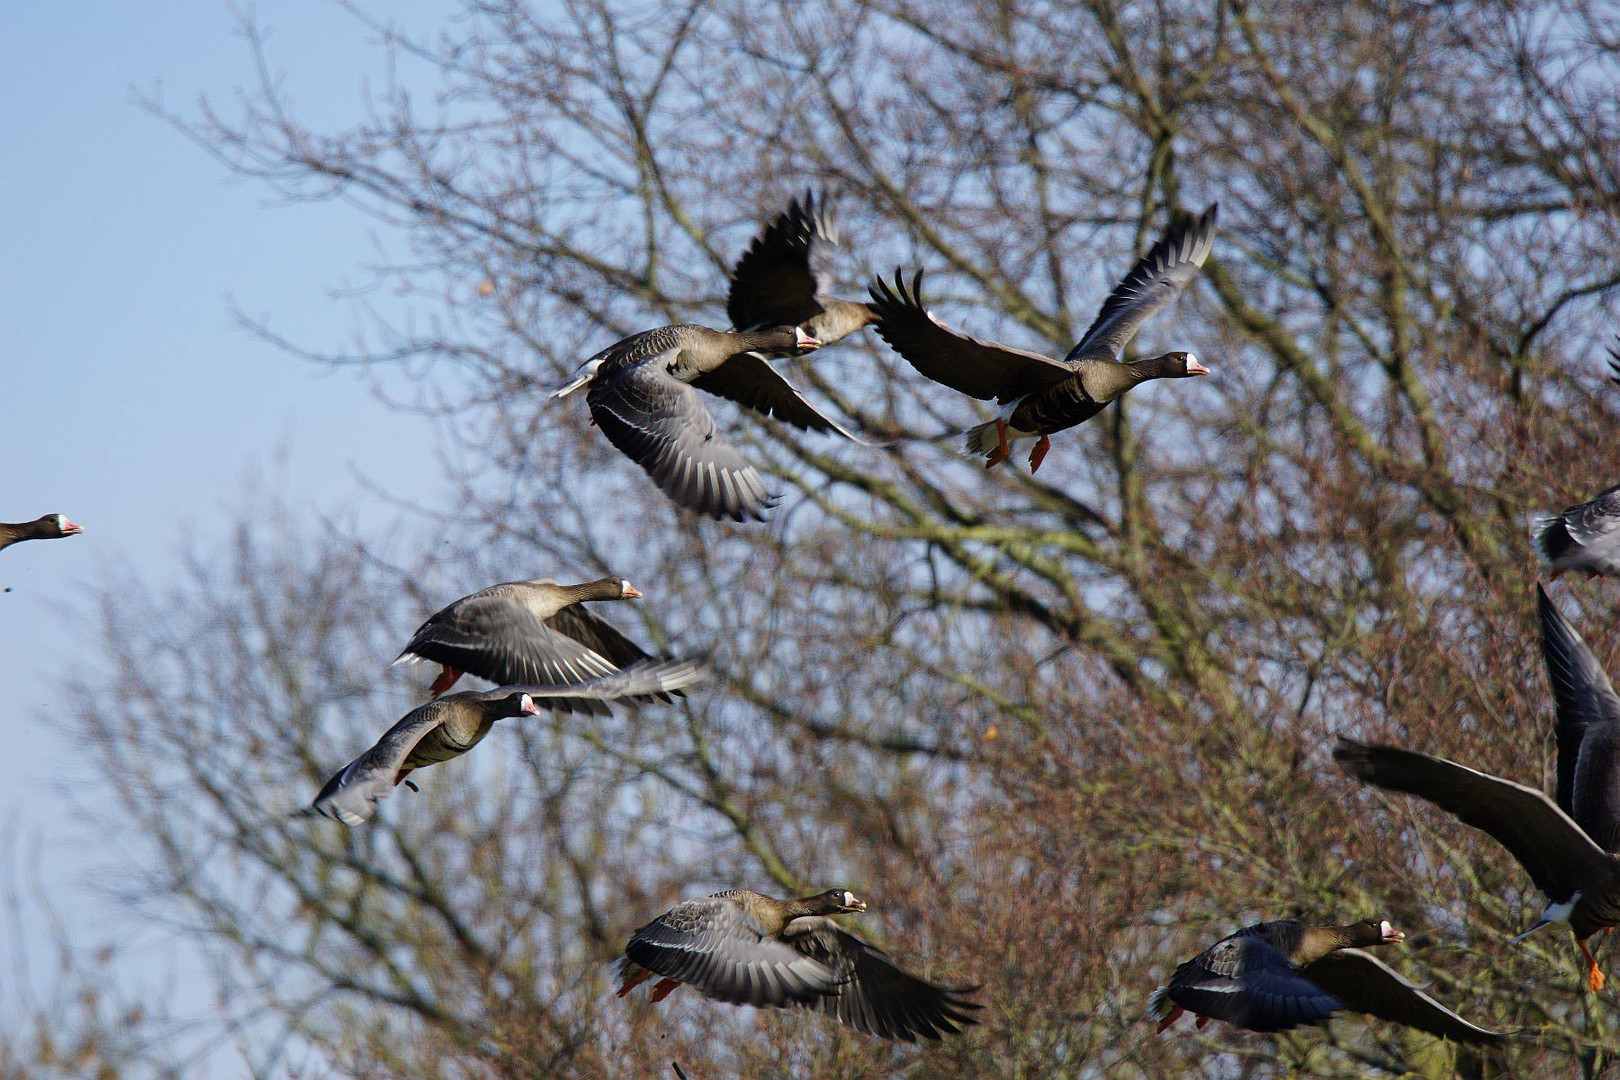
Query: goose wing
661 425
1245 981
1588 727
1367 985
751 381
596 634
493 635
875 995
352 795
717 947
779 279
977 368
647 678
1554 851
1151 286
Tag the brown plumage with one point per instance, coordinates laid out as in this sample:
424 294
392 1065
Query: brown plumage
532 631
746 948
48 527
1040 395
1274 976
785 275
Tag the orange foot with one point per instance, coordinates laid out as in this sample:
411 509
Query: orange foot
1167 1021
447 678
1594 977
1038 455
634 980
665 988
1003 450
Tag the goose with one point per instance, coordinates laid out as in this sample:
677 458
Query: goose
641 397
449 726
785 275
1587 728
1583 537
1274 976
745 948
1580 879
533 631
49 527
1040 395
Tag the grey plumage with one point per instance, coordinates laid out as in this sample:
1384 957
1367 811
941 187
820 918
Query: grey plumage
745 948
641 397
1588 728
533 631
454 724
1584 537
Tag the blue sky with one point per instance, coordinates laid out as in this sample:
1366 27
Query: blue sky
130 400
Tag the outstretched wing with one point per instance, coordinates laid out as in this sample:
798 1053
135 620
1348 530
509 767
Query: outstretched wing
1151 286
877 996
352 795
717 947
660 423
644 679
1555 851
779 278
1588 728
751 381
1367 985
1246 982
977 368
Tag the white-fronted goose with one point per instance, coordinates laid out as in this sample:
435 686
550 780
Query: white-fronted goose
641 397
1581 880
745 948
1588 729
49 527
527 632
784 277
1584 537
1274 976
452 725
1040 395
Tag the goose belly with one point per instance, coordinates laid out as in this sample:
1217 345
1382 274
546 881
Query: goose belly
1055 408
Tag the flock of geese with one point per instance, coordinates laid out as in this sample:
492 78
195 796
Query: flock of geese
542 649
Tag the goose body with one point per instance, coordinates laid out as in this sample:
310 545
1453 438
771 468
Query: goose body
745 948
452 725
1274 976
1585 537
534 631
785 278
47 527
1040 395
641 396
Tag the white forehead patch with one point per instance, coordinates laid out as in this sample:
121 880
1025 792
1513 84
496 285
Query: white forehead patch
61 522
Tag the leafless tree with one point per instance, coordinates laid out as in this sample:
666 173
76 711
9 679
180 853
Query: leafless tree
1061 730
